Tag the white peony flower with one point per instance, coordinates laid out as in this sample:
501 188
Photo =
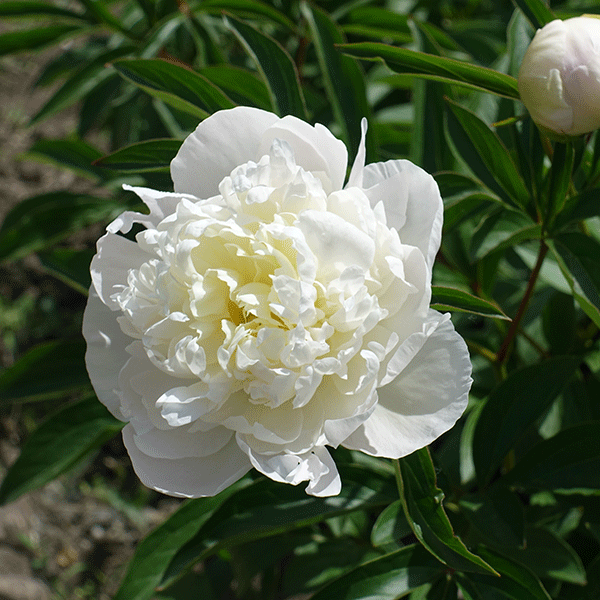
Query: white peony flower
559 78
268 311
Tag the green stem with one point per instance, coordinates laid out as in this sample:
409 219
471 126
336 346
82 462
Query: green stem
514 327
398 474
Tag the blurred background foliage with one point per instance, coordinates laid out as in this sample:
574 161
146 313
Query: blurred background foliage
506 504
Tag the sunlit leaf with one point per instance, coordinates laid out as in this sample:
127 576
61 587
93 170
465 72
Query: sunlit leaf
447 298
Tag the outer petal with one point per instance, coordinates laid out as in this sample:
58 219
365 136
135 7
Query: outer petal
105 354
188 477
412 201
424 401
315 148
220 143
115 257
315 466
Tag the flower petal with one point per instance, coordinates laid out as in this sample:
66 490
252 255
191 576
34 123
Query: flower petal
315 148
188 477
220 143
419 217
424 401
105 354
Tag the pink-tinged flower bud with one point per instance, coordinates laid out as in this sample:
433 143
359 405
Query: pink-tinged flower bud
559 79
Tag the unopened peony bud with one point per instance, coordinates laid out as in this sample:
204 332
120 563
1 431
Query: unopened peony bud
559 79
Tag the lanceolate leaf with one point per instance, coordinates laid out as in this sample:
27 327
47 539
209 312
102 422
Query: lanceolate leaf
446 298
57 444
578 256
344 80
536 11
512 407
276 67
141 157
243 8
385 578
70 266
36 38
177 86
493 153
33 9
422 501
242 86
568 462
516 581
265 509
436 68
49 370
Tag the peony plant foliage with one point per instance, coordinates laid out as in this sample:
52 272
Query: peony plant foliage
267 311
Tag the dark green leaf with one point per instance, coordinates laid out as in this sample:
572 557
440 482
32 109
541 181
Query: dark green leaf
265 509
69 265
34 9
100 12
568 462
560 179
38 222
142 157
436 68
512 407
391 526
36 38
493 154
498 516
47 371
81 83
75 154
240 85
378 23
61 441
550 557
422 501
578 256
177 86
516 581
385 578
275 65
580 207
344 81
155 552
536 11
247 8
447 298
457 211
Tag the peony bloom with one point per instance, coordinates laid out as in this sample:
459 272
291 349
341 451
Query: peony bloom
267 311
559 78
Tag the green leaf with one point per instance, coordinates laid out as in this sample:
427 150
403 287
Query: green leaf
276 67
378 23
568 462
516 581
578 208
81 83
344 81
70 266
578 257
155 552
536 11
240 85
39 222
492 152
436 68
559 179
176 86
265 509
500 230
386 578
447 298
550 557
391 526
422 501
246 8
75 154
142 157
32 9
498 516
60 442
46 371
512 407
36 38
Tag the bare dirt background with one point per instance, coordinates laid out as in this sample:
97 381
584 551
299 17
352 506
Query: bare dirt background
71 539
